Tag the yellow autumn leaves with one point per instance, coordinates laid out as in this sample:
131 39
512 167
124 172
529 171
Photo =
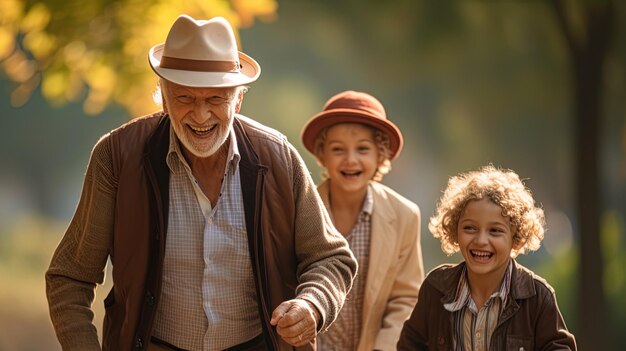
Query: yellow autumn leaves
96 51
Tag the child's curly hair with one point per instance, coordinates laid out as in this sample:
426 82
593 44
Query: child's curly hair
505 189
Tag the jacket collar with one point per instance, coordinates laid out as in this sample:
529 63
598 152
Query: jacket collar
155 154
522 286
381 206
324 190
383 235
158 143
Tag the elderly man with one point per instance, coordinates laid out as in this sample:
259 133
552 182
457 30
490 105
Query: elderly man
217 237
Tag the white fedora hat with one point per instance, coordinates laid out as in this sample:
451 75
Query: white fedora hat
202 54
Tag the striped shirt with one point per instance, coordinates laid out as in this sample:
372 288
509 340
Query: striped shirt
344 334
208 299
474 326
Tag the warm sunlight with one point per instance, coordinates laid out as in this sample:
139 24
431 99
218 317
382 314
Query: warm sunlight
96 52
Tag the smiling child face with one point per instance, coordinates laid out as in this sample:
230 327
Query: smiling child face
485 240
350 156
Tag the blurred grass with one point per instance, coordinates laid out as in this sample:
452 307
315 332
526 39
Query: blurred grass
26 246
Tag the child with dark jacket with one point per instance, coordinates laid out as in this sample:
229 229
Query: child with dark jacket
489 301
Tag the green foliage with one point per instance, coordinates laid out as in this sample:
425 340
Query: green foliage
560 272
614 252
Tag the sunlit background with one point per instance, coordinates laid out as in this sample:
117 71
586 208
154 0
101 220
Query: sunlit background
468 82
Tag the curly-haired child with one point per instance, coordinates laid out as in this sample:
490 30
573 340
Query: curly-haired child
489 301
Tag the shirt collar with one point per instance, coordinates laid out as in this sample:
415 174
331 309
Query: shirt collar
175 159
463 294
368 202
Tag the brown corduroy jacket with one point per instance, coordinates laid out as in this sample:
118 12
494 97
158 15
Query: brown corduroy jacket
294 249
530 319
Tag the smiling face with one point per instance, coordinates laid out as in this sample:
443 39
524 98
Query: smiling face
201 117
350 156
485 240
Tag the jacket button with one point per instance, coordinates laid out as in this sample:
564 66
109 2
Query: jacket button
150 298
139 343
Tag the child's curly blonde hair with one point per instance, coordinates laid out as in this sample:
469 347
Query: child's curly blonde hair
506 190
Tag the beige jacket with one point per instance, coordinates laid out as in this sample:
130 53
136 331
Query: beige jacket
396 269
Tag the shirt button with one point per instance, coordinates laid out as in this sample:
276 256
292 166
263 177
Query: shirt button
478 335
139 343
151 299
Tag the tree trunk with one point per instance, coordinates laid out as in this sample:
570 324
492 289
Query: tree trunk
588 58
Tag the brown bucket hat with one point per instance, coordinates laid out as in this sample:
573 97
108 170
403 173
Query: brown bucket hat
200 53
352 107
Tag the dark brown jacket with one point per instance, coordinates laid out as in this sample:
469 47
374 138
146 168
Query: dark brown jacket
530 320
293 246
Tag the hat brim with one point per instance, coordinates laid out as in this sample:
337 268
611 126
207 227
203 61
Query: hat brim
249 72
336 116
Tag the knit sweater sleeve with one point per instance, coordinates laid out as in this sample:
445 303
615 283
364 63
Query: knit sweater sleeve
326 265
79 261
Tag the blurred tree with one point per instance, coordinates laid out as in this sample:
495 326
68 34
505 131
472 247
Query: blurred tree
588 27
96 50
488 46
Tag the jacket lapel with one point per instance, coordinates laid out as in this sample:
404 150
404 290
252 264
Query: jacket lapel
383 248
252 176
522 288
383 242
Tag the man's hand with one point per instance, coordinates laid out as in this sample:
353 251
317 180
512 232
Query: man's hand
296 321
